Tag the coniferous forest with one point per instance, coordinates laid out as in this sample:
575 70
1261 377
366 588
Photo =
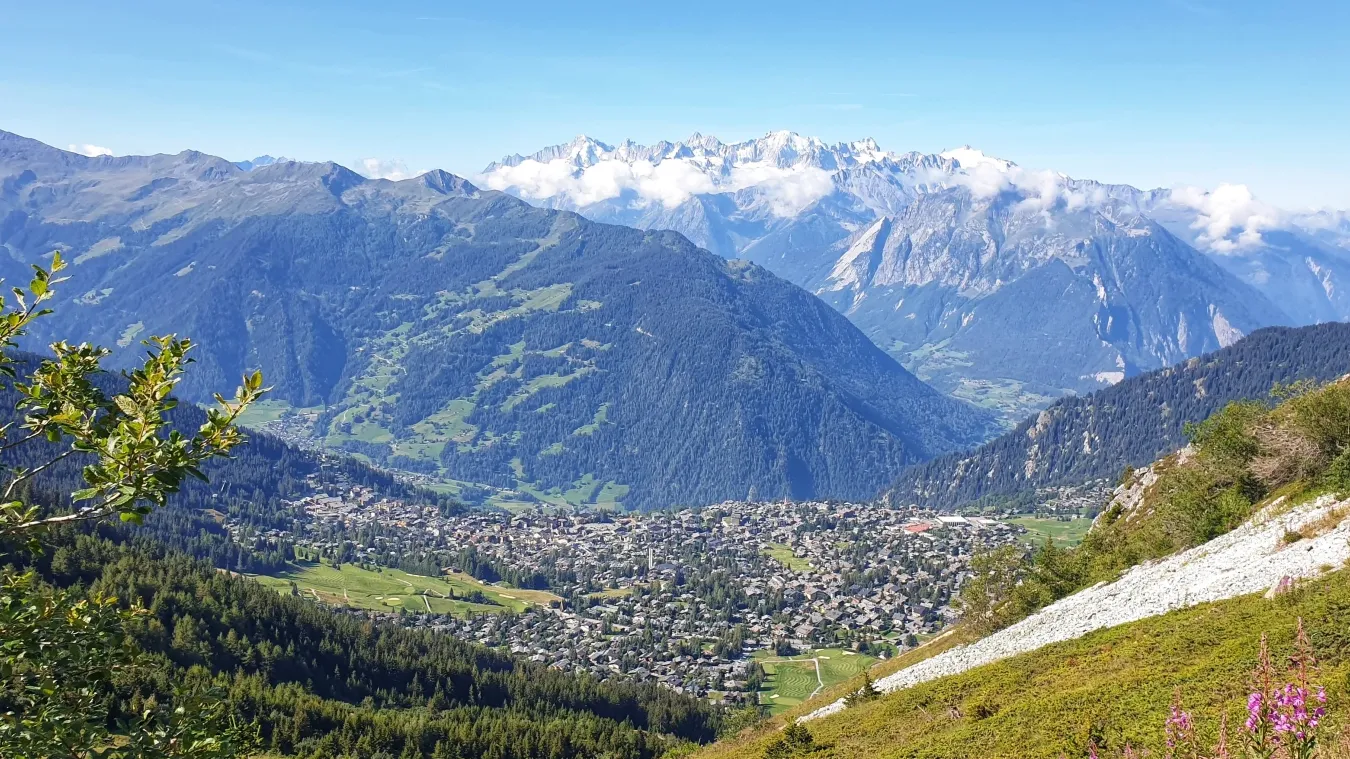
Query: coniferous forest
319 682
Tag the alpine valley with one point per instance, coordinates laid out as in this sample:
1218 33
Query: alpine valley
771 448
999 284
502 352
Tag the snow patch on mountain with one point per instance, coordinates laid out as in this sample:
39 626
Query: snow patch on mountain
1323 277
259 162
969 158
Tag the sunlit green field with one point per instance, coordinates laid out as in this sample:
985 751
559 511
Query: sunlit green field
783 555
1068 533
791 681
265 410
391 589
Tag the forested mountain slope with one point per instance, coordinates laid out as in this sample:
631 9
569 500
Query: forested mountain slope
466 334
319 682
1132 423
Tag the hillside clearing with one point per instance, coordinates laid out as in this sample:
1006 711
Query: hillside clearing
784 555
1064 533
391 589
791 681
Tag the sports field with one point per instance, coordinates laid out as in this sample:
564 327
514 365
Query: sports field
792 680
1065 534
783 555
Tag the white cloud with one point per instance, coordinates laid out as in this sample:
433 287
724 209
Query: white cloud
1040 191
1324 219
984 176
92 151
970 158
1229 218
669 182
788 191
385 168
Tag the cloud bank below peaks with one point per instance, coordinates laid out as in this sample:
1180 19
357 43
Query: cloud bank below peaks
785 173
1039 191
667 183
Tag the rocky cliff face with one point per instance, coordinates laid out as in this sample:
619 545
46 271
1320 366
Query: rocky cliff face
987 297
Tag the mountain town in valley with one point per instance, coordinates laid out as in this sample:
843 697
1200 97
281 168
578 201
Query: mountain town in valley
685 598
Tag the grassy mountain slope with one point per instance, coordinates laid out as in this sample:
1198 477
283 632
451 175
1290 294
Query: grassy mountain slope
465 334
1131 423
1113 686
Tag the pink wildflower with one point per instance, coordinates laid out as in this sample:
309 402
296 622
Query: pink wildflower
1179 731
1255 711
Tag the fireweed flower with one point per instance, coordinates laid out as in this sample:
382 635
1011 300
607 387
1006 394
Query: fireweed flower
1179 732
1259 730
1255 711
1285 717
1221 748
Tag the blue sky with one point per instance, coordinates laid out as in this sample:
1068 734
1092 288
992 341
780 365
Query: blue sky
1150 92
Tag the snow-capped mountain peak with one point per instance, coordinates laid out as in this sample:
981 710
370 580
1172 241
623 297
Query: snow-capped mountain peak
970 158
964 264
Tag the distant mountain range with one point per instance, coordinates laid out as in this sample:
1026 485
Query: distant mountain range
999 284
1134 422
511 352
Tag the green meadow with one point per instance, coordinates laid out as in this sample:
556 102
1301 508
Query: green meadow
391 589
